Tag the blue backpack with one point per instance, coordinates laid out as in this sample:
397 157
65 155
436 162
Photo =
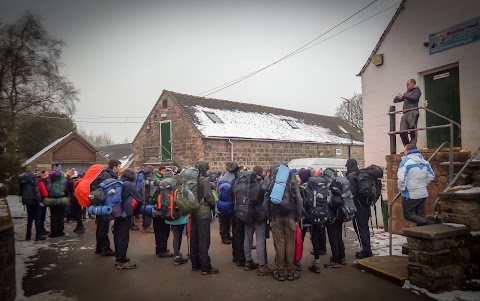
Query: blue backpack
139 182
225 203
112 188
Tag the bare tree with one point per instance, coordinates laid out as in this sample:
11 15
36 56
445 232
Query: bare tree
351 111
97 140
30 79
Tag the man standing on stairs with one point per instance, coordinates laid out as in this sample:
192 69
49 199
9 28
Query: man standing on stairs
414 174
409 119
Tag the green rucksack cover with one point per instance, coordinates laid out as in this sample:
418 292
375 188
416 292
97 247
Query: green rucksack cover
187 193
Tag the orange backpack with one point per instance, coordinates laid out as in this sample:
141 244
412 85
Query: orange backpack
82 190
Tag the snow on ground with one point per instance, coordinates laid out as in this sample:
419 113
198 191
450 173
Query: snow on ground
445 296
379 242
471 190
26 254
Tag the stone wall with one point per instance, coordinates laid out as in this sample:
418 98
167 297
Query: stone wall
438 185
7 250
266 153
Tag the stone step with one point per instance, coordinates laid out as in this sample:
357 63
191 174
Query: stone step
461 156
392 268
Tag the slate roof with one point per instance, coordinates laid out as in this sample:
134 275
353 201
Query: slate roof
250 121
122 152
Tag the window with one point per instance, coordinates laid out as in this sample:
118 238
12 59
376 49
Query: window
213 117
164 103
292 124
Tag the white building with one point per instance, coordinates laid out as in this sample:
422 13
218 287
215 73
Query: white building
437 43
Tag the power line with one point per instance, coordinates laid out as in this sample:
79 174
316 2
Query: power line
298 50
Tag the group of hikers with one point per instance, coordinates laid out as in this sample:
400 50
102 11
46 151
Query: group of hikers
288 203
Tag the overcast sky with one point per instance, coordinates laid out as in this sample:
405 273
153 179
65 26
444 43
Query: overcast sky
121 54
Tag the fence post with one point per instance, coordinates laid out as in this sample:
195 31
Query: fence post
393 137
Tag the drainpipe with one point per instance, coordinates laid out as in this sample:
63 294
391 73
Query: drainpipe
231 149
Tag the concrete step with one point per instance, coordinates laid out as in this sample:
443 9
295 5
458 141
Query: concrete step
392 268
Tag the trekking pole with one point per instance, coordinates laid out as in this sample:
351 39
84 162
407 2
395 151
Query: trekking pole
358 233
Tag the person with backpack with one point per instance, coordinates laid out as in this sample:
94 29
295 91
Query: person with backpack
129 194
57 189
250 208
201 219
145 176
103 221
160 227
362 216
178 226
285 209
414 174
28 190
43 183
223 188
76 210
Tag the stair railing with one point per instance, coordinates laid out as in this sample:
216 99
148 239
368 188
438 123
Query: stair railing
390 206
437 200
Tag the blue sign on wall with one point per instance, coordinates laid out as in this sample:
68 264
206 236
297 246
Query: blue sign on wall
454 36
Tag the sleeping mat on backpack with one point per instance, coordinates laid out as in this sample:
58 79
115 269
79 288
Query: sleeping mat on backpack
278 189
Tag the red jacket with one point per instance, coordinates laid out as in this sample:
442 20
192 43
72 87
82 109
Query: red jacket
43 189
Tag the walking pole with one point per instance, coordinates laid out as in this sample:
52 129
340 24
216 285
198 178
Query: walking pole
189 228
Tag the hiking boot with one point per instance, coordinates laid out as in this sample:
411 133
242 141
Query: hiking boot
134 227
107 252
79 229
314 268
240 263
194 269
293 276
280 276
298 267
362 254
264 270
211 272
165 254
178 260
45 232
226 241
331 265
343 261
40 238
126 265
250 265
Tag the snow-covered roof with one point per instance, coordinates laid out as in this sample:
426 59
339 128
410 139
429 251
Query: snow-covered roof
46 149
249 121
122 152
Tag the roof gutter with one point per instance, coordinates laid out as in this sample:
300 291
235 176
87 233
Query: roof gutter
358 143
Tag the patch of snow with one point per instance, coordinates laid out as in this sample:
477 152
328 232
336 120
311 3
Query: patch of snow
64 249
445 296
455 225
462 186
48 296
471 190
259 125
380 242
475 233
87 248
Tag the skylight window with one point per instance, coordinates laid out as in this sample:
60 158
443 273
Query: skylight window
213 117
292 124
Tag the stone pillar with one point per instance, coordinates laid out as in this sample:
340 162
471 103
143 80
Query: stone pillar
461 208
7 250
438 256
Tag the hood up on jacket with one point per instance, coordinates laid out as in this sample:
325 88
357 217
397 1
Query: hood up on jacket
352 166
203 167
416 156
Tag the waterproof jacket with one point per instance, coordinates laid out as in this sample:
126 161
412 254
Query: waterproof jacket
204 190
352 176
129 192
410 98
414 174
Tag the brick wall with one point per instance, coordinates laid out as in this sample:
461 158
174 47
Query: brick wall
265 153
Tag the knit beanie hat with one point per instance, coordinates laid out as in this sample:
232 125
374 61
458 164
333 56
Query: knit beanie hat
167 173
304 175
70 173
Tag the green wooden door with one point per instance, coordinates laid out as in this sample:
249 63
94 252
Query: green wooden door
165 141
443 94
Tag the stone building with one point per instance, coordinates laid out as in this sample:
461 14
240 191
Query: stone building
71 151
184 128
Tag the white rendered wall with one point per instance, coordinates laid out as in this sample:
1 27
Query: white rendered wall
405 57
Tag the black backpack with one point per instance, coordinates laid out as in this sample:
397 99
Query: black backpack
315 200
370 184
342 200
246 195
287 204
28 188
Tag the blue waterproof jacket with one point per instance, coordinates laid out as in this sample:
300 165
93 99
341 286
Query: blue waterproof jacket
414 174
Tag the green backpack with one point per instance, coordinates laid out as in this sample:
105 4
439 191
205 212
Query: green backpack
187 193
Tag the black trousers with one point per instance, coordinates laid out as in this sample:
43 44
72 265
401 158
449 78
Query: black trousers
225 225
162 232
57 215
318 240
34 214
177 231
238 229
121 237
103 223
200 243
360 224
336 242
76 212
43 216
